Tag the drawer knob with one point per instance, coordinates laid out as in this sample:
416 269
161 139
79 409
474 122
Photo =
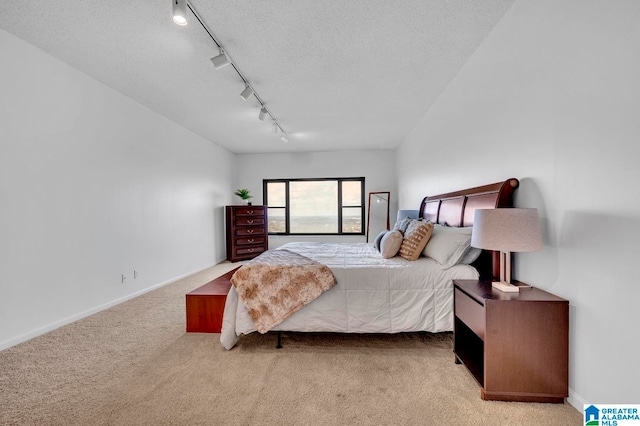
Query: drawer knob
250 211
250 221
250 231
250 250
251 240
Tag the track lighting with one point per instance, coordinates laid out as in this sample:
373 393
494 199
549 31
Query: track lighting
221 60
180 12
248 91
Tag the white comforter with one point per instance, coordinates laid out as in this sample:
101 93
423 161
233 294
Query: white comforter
372 295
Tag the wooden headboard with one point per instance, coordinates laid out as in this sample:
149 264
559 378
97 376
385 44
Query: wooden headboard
458 209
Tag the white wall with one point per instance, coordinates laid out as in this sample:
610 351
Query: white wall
93 185
553 97
377 167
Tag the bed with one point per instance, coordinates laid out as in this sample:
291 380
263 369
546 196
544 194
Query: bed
377 295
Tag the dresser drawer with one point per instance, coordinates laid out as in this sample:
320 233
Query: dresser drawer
242 241
249 211
249 220
242 251
470 312
250 231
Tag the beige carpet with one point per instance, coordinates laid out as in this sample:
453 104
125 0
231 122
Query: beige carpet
134 364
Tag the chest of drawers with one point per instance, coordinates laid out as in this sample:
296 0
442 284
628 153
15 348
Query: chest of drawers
246 232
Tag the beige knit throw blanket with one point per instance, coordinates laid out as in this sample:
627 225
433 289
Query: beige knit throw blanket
277 284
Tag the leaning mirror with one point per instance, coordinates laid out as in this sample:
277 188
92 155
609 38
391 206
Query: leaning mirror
377 214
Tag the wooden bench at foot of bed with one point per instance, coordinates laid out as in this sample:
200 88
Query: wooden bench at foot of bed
205 305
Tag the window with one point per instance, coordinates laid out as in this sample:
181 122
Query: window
315 206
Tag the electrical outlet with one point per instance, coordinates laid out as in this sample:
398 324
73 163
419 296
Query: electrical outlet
124 278
135 275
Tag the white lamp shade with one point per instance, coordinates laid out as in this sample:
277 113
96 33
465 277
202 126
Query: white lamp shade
507 230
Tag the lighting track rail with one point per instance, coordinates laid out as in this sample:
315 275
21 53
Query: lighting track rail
179 12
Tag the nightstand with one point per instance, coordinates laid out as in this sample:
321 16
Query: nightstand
516 345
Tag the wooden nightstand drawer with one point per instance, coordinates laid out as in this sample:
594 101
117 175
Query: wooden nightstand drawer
470 312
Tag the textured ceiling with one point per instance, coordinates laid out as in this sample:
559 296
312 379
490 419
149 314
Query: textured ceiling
335 74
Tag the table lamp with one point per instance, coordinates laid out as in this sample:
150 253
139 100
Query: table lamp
506 230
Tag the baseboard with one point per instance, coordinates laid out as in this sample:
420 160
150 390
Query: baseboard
576 401
73 318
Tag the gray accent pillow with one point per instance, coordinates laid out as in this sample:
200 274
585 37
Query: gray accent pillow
376 242
402 225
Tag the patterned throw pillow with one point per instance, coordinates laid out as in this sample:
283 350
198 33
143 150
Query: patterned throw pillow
415 239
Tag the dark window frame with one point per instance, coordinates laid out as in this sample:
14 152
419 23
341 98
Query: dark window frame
286 208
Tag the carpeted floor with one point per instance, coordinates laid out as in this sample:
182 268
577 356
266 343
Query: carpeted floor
134 364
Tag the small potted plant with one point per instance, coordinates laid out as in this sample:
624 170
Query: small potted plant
244 194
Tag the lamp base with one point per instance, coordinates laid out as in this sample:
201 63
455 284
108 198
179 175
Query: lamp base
507 288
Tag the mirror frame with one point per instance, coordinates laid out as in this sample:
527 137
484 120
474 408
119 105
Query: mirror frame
371 195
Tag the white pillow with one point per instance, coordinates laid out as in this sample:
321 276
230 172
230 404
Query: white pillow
470 256
390 244
448 245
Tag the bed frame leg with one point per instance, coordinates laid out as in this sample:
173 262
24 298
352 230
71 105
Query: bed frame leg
279 344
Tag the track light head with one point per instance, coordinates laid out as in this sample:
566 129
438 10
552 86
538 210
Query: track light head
179 12
263 113
248 91
284 138
221 60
